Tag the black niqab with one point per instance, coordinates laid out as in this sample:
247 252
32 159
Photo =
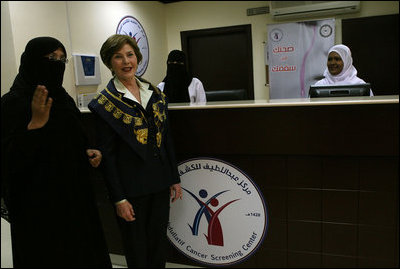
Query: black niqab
35 69
177 79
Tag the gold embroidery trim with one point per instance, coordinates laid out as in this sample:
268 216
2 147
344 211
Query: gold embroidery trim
120 99
141 134
158 137
127 119
117 113
117 97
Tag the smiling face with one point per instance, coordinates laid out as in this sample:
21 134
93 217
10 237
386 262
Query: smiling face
335 63
124 63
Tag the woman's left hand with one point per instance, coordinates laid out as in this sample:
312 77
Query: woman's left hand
176 192
94 157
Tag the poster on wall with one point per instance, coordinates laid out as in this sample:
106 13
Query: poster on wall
297 54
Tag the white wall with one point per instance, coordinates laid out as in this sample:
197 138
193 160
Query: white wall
29 19
8 63
83 26
92 22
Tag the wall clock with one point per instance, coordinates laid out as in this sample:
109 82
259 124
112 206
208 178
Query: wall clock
325 30
132 27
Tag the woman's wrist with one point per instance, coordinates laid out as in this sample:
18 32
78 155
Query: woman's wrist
120 202
33 125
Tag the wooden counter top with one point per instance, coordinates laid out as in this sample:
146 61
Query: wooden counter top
383 99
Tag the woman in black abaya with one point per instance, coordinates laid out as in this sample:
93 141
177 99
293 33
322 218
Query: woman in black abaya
178 85
45 167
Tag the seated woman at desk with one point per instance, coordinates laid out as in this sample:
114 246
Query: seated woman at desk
340 69
178 85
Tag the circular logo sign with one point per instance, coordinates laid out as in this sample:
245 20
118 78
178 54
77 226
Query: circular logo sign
276 34
325 30
132 27
222 217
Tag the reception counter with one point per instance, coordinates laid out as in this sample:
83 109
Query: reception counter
327 168
356 100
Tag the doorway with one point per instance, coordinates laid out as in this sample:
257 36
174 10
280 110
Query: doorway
222 59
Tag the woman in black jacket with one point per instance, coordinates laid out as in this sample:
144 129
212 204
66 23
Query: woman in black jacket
139 163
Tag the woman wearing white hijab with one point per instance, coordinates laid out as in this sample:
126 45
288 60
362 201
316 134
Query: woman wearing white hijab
340 69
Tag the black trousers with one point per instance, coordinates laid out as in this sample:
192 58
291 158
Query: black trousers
145 239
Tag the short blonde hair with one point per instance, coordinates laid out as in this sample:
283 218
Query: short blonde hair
113 44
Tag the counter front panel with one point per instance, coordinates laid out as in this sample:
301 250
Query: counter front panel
328 174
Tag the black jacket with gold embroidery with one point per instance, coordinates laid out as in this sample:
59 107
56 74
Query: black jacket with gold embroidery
138 155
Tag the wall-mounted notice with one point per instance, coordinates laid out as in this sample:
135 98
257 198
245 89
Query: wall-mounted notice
297 54
87 69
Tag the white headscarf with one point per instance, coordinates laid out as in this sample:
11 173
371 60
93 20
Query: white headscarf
349 72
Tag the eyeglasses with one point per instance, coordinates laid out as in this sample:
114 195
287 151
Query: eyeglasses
53 57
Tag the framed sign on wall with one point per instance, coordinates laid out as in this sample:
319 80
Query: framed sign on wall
131 26
87 69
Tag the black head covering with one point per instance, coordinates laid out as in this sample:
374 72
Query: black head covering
178 78
35 69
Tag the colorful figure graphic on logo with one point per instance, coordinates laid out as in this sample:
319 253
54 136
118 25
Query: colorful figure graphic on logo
215 235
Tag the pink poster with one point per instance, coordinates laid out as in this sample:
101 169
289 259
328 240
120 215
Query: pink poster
297 55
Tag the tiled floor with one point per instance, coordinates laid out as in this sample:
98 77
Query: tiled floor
6 253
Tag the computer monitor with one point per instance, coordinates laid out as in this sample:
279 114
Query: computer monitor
226 95
339 90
